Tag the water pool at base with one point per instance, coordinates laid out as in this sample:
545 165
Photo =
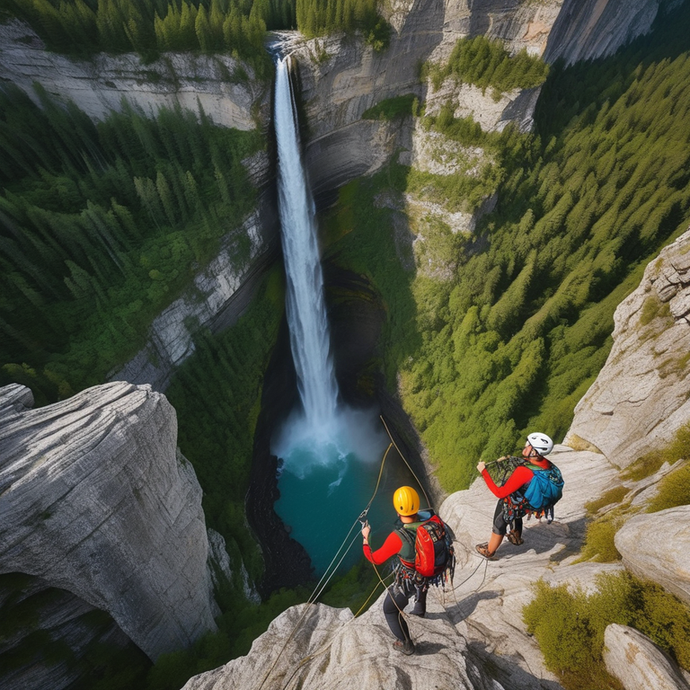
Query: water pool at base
326 482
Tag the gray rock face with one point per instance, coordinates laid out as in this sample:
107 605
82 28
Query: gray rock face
96 501
214 300
656 547
66 619
587 29
640 398
341 77
638 663
98 85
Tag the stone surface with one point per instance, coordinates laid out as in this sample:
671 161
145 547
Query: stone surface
216 297
70 622
656 546
641 396
638 663
99 85
340 77
331 650
96 501
587 29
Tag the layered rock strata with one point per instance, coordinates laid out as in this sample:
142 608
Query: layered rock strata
341 77
96 501
641 396
218 295
217 83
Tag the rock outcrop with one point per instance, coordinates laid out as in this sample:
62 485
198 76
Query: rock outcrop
655 546
588 29
217 83
331 650
341 77
641 396
95 500
638 663
216 297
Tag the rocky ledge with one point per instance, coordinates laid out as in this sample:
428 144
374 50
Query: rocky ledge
641 396
96 500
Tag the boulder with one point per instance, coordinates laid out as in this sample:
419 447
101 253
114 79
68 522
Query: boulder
641 397
638 663
656 547
96 501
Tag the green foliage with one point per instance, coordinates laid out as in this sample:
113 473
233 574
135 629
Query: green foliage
515 337
614 495
238 628
557 614
318 17
151 26
648 464
101 226
486 63
599 545
674 490
390 108
217 396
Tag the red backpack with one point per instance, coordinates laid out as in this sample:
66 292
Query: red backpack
433 546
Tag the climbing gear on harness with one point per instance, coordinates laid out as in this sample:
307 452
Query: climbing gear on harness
428 555
406 647
406 501
540 442
483 550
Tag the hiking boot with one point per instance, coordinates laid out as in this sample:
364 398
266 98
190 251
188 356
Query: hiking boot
406 647
483 550
419 614
515 538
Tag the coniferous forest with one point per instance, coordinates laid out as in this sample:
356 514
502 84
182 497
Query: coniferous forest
103 224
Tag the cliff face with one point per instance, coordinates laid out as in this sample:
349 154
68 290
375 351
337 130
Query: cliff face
96 501
99 85
341 77
640 398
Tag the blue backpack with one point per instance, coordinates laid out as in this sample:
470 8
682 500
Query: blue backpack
545 488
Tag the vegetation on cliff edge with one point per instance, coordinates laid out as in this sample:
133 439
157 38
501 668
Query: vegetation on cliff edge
515 337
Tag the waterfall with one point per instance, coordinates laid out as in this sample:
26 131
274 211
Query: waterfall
328 452
306 309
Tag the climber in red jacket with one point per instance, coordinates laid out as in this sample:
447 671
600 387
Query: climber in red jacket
406 502
508 508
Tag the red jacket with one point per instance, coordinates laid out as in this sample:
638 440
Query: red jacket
390 547
521 475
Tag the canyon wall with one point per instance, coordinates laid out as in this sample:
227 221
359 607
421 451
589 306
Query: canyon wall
97 501
341 77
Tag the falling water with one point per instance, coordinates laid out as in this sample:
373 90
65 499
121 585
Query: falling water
328 451
306 310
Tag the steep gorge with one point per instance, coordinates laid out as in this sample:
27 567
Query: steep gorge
337 90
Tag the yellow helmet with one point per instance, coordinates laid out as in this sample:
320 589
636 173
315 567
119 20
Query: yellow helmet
406 501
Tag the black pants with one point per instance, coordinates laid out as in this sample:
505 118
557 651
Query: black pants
396 600
500 526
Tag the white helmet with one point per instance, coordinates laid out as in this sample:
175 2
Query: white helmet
540 442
